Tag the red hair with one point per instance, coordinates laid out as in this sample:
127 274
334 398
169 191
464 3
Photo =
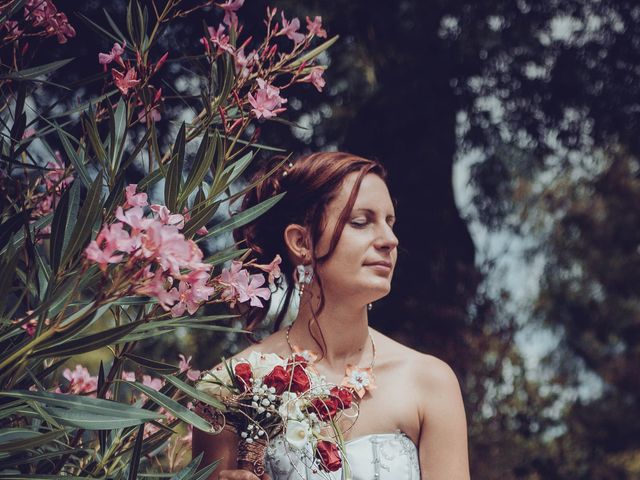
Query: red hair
310 183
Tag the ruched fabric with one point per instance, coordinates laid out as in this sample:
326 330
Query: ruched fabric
380 456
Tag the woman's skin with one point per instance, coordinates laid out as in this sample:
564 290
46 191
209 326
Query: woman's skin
415 393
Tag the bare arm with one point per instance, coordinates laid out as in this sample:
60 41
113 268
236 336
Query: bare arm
443 427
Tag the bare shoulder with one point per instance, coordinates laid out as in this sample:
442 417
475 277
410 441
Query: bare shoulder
434 378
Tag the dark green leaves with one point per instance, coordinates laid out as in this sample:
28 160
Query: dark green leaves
174 175
87 217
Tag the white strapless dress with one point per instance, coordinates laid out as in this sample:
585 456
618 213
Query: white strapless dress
379 456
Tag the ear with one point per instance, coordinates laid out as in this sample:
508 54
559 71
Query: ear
296 238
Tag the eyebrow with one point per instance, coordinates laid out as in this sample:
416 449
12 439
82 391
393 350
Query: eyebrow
371 212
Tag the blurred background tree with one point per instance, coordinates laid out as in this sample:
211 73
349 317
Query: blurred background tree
538 105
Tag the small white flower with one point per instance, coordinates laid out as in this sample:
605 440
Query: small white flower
254 404
265 402
261 409
249 440
263 363
244 435
297 433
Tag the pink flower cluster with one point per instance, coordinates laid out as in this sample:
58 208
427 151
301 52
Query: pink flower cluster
267 102
262 64
241 286
155 253
55 180
131 77
80 382
43 14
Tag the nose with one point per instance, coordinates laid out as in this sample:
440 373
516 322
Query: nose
387 239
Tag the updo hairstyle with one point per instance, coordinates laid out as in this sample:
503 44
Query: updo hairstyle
311 182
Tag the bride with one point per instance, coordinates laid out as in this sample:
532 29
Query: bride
334 232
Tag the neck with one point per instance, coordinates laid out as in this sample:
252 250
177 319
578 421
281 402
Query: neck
341 330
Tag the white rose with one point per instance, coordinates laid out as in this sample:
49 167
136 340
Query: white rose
290 407
210 383
263 363
297 433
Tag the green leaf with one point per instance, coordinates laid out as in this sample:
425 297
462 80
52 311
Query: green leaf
64 219
174 175
226 255
205 472
87 343
186 472
238 167
134 464
120 132
244 217
200 167
94 137
194 393
7 274
97 406
159 367
179 411
91 209
199 219
12 225
114 26
91 421
26 439
314 53
77 163
35 72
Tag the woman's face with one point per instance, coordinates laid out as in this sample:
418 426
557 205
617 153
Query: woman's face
361 266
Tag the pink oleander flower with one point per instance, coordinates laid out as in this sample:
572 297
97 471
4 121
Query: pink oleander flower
156 287
29 132
12 28
191 296
242 287
290 29
134 217
185 366
273 268
251 290
43 14
230 278
113 56
219 39
243 63
128 376
134 199
125 81
315 77
32 325
167 218
154 383
111 239
54 178
267 102
230 8
315 27
80 381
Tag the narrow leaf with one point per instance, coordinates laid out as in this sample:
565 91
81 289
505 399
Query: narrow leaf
244 217
179 411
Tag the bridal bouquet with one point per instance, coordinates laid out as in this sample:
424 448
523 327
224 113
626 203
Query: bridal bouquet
267 395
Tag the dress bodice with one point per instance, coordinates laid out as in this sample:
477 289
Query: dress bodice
379 456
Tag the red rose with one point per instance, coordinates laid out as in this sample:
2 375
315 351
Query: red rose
299 380
329 456
244 374
278 378
299 359
325 408
343 395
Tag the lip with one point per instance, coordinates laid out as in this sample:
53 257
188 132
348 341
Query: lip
382 265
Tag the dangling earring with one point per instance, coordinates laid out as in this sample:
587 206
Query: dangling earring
305 275
369 306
